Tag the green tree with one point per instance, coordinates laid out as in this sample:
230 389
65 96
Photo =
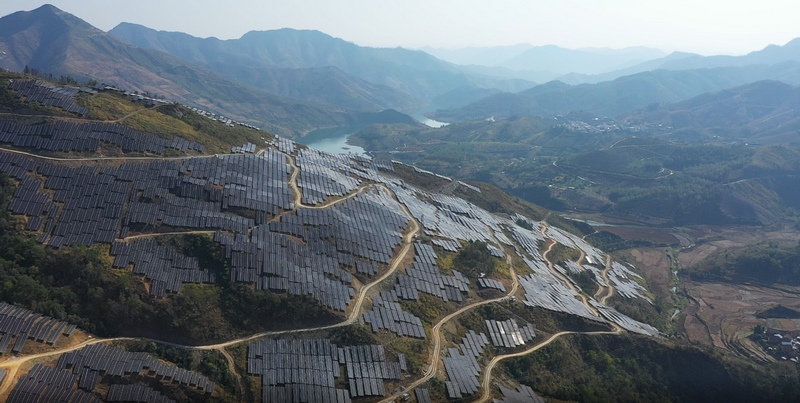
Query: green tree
473 259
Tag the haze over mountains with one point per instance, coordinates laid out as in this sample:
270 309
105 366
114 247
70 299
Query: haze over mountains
398 73
622 95
293 81
546 62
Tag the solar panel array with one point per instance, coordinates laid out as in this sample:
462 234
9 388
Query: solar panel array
99 360
387 313
508 334
545 290
571 267
297 370
30 200
246 148
624 321
422 394
363 226
135 393
625 283
529 240
447 219
283 145
450 245
495 251
91 204
88 137
367 368
523 394
321 178
47 384
462 366
359 233
183 194
268 240
491 283
161 264
50 94
470 187
424 276
23 324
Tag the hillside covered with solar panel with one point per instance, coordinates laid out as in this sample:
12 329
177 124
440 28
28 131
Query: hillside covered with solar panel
154 252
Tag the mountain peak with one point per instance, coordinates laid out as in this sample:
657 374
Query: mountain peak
49 17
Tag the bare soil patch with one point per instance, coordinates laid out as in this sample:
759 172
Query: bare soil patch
722 314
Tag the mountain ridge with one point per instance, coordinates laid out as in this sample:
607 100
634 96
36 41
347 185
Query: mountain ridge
69 46
619 96
412 72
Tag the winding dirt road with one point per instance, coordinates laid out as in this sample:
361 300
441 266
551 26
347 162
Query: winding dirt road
609 288
435 355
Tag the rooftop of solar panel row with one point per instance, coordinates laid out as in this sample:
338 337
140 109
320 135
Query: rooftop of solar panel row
462 366
78 374
50 94
424 276
508 333
522 393
294 368
88 137
387 313
23 324
545 290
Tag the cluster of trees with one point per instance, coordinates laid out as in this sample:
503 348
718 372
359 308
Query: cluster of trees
764 263
590 368
473 259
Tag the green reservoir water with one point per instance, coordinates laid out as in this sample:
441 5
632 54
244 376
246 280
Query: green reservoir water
333 140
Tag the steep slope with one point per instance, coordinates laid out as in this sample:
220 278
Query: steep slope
622 95
52 41
414 73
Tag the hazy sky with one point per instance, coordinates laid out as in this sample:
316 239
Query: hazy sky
702 26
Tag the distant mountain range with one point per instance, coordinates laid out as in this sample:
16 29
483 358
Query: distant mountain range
59 43
287 81
293 81
770 55
622 95
764 112
545 62
277 61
